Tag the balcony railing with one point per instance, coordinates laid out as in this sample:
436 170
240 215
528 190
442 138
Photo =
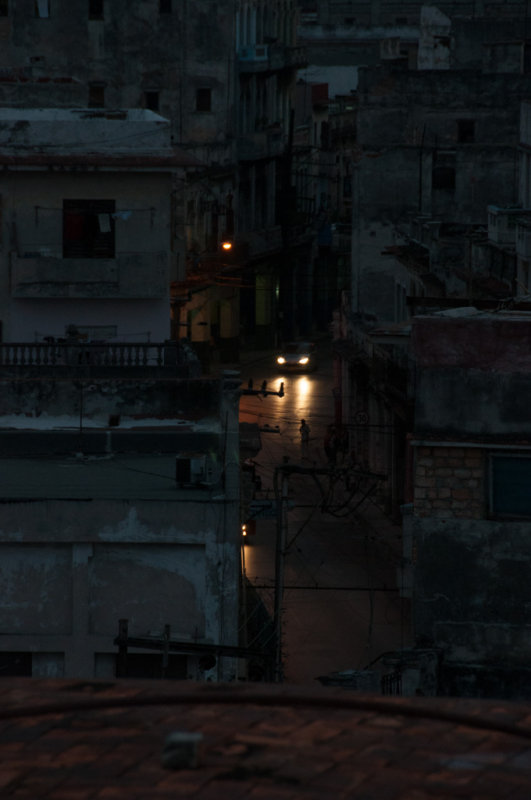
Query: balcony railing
108 357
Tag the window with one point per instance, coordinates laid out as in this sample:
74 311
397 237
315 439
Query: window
95 9
15 664
96 98
4 8
466 131
443 171
151 101
510 485
42 8
203 100
165 6
88 228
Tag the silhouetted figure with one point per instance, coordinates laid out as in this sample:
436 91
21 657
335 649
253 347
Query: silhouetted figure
304 431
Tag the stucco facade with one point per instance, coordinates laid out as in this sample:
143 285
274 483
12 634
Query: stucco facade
87 231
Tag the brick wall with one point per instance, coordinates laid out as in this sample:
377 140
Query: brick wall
449 482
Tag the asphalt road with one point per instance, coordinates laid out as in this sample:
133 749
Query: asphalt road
341 607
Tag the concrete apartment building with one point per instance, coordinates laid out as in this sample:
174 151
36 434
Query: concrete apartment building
467 530
437 153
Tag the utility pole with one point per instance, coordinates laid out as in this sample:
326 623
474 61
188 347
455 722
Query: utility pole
281 501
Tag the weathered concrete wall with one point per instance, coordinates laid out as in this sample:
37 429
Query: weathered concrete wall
473 375
172 54
395 105
151 563
472 599
186 399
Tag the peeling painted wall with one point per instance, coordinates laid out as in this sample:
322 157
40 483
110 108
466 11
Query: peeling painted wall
151 563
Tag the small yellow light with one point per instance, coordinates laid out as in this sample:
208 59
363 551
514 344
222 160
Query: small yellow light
304 360
244 530
226 245
281 360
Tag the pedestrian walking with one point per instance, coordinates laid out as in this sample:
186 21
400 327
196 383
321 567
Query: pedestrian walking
304 430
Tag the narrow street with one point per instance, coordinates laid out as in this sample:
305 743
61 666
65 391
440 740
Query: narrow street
341 607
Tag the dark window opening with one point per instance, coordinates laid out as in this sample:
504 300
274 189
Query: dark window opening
325 136
150 666
347 186
443 171
466 131
95 9
4 8
165 6
88 229
18 664
443 178
510 486
151 100
203 100
42 8
401 21
96 98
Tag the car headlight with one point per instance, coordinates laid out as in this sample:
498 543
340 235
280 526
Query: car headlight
281 360
304 360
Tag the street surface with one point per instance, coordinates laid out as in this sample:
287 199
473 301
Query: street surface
341 609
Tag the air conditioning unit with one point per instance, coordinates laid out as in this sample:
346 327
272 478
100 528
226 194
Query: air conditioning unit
194 470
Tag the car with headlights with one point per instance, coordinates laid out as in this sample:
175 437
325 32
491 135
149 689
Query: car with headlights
297 356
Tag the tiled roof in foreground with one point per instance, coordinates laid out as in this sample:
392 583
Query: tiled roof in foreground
75 740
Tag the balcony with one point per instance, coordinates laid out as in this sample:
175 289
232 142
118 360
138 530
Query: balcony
98 359
129 275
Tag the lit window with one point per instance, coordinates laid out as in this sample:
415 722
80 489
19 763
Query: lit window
95 9
42 8
203 100
88 228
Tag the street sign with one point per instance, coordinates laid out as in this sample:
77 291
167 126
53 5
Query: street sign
265 509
